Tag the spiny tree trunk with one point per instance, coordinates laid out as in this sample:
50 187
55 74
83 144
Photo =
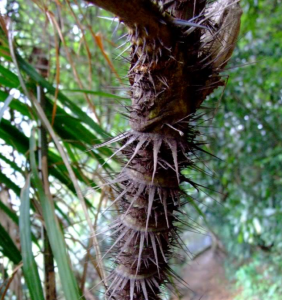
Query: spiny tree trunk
178 50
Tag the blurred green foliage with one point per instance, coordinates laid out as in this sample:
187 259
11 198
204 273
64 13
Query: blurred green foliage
246 137
260 278
246 130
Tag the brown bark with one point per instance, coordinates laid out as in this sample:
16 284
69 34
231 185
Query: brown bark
49 264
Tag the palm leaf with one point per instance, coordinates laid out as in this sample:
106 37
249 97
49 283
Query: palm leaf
29 264
8 247
54 232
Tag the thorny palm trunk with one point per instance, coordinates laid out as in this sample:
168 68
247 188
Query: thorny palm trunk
176 58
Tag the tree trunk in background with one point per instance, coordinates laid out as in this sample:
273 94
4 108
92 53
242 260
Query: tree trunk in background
178 50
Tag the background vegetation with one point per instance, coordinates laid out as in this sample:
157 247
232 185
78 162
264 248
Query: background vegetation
60 67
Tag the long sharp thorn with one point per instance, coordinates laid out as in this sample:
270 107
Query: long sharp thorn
163 197
123 51
116 286
144 289
141 245
150 204
108 229
166 213
155 251
139 192
155 283
173 147
113 282
119 197
137 148
132 285
127 243
150 286
124 283
113 140
117 240
130 141
156 149
161 247
187 23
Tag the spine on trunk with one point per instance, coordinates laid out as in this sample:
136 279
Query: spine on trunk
168 84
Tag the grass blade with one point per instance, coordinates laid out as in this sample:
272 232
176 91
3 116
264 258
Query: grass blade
8 247
9 183
11 214
8 75
12 164
97 93
55 235
29 264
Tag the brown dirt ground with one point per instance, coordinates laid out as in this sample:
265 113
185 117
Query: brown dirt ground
206 278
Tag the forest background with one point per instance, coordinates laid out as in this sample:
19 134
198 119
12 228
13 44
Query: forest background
63 64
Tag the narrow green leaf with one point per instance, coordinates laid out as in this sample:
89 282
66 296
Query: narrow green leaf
12 215
9 183
29 70
15 138
4 51
7 83
9 75
29 265
97 93
70 128
12 136
13 165
54 233
8 248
